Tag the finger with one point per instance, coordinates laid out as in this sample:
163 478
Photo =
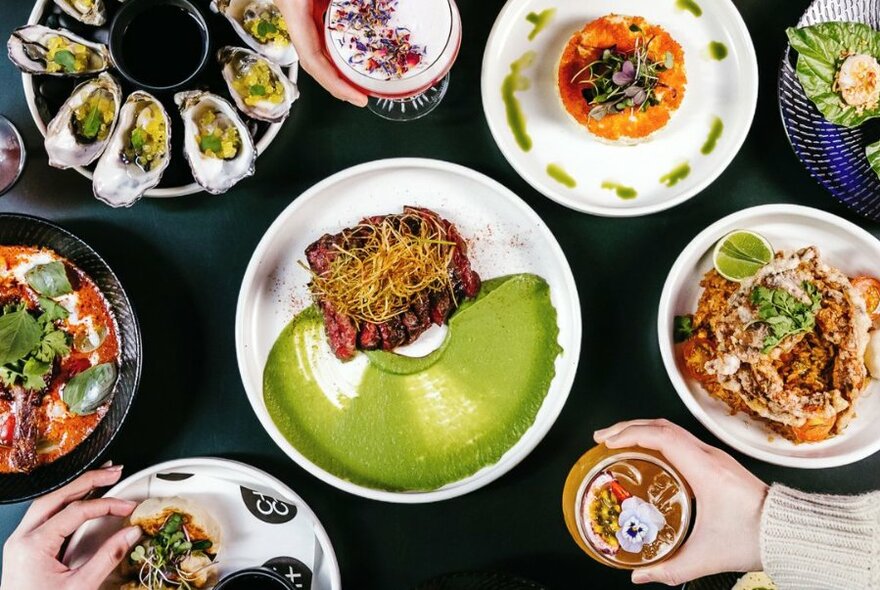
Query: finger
604 434
304 32
685 451
65 523
44 508
690 563
105 560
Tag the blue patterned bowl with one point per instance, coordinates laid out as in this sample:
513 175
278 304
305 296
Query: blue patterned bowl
834 156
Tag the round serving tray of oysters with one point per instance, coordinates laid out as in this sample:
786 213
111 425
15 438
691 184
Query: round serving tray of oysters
190 114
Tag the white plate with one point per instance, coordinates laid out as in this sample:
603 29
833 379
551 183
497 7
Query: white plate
788 227
30 91
728 89
88 537
505 236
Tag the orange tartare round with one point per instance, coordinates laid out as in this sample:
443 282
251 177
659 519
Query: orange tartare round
624 37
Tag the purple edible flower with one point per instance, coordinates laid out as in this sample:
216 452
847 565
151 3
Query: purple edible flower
640 522
626 74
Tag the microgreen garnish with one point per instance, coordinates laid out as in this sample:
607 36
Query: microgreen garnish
618 81
784 314
682 328
162 556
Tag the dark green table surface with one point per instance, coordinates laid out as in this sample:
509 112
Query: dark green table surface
182 261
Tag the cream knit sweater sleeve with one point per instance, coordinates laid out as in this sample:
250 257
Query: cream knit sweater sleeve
821 542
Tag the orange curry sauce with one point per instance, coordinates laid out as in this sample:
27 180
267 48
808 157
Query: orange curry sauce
588 45
59 431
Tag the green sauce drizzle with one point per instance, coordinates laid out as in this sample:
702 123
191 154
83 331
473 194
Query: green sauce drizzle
624 192
540 20
690 6
714 133
515 82
559 174
717 50
676 175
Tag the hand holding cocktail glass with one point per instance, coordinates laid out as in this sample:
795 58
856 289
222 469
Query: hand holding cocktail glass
729 501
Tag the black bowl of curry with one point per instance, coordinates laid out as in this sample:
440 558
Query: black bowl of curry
70 356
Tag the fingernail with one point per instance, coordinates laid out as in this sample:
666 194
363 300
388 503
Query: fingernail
599 435
133 535
114 468
106 464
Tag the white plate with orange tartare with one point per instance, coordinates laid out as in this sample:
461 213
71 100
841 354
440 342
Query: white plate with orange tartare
619 108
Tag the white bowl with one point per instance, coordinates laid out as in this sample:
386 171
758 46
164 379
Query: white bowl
728 89
27 81
787 227
505 236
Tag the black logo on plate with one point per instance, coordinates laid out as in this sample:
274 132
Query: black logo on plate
173 476
297 574
267 508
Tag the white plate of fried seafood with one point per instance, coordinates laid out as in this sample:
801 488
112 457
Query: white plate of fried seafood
662 163
782 393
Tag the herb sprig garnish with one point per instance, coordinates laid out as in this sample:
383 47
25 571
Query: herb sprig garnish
619 81
29 344
784 314
161 557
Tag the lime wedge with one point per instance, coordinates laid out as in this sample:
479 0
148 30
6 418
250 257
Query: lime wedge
740 254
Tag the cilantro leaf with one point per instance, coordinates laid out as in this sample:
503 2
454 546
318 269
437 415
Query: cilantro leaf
66 60
682 328
138 138
210 143
784 314
34 374
92 123
52 311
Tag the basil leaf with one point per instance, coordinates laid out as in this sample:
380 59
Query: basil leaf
210 143
88 390
19 335
49 279
66 60
820 48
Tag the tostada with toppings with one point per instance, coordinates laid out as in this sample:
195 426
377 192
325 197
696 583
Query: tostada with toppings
59 357
622 77
783 337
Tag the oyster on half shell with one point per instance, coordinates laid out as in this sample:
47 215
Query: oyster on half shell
90 12
217 143
258 86
138 153
81 130
261 25
36 49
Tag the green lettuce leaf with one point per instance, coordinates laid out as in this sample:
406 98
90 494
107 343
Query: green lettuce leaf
873 153
821 49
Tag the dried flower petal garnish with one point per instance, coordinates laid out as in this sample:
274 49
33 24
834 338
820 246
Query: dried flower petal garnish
376 46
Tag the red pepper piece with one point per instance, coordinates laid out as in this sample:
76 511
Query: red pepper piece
618 491
7 431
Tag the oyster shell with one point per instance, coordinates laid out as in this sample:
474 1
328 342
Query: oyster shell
217 144
36 49
81 130
258 86
138 153
260 24
90 12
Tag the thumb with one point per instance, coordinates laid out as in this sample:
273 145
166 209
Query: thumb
107 558
669 573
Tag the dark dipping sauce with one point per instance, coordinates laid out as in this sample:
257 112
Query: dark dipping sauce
253 580
163 46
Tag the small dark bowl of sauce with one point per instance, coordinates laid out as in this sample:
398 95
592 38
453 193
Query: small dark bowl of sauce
255 578
160 45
